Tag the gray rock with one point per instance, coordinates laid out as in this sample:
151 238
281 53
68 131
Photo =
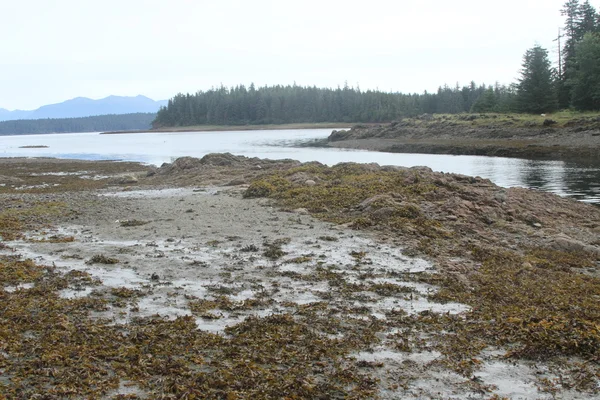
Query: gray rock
383 213
236 182
565 243
379 198
303 211
222 159
500 196
125 180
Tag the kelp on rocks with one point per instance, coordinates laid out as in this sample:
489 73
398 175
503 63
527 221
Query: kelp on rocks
54 346
528 293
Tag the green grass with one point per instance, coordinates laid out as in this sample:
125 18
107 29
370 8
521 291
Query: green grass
562 118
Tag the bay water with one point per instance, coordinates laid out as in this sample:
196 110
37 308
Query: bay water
579 180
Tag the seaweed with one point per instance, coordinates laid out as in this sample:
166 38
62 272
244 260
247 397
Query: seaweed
102 259
54 347
132 222
535 302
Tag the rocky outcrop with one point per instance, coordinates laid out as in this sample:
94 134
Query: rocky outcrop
478 135
216 168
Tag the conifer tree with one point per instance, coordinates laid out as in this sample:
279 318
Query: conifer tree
486 102
588 19
572 12
535 90
586 82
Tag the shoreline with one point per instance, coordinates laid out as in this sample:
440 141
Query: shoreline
222 128
533 150
498 136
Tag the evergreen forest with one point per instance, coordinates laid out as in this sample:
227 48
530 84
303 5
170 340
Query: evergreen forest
99 123
541 88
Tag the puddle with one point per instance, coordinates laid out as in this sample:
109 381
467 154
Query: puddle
149 306
41 186
511 380
420 304
117 277
60 173
21 286
381 355
160 193
75 293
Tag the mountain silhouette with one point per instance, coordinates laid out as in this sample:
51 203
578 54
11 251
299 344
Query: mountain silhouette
84 107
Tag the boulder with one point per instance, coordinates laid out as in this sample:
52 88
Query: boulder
565 243
500 196
339 135
380 199
222 159
125 180
236 182
383 213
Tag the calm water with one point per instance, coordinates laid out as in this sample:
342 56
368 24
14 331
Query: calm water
581 181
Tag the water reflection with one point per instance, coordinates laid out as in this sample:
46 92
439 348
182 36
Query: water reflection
582 181
578 180
541 174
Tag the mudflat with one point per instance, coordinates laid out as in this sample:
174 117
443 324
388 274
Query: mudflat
231 277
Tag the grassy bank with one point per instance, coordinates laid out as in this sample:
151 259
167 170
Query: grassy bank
560 119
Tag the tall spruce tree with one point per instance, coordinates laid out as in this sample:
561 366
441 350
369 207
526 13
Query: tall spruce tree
580 19
586 82
572 32
535 90
589 19
487 102
572 12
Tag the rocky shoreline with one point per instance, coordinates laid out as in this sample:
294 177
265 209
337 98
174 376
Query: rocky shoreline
485 135
235 277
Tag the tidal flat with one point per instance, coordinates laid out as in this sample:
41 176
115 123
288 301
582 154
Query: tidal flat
234 277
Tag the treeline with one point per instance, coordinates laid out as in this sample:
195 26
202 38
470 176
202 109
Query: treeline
578 79
540 89
99 123
293 104
576 82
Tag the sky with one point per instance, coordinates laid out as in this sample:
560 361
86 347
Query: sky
56 50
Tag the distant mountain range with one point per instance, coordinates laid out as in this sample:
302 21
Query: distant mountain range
84 107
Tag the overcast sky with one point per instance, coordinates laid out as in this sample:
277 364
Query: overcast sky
55 50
